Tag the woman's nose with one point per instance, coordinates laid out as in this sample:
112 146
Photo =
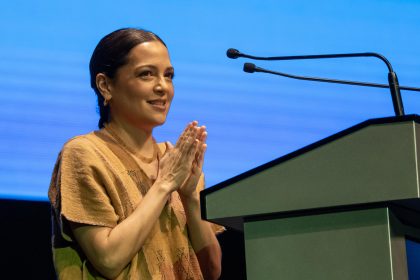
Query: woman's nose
161 86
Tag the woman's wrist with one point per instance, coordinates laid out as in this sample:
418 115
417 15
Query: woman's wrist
165 186
190 201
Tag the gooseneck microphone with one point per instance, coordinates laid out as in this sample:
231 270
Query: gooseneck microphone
233 53
251 68
392 77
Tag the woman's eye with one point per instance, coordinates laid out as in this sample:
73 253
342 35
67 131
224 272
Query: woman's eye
170 75
146 73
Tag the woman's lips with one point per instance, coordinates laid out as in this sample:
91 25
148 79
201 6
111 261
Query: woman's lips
158 104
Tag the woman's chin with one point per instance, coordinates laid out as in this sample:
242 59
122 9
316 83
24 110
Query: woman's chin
156 122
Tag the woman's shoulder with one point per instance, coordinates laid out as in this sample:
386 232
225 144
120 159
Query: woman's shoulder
89 149
76 141
82 144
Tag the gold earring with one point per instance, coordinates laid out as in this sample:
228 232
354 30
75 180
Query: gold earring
106 101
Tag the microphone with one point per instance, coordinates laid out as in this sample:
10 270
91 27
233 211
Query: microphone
249 67
233 53
392 77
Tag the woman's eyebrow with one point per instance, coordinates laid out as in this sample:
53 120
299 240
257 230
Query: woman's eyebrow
170 68
146 66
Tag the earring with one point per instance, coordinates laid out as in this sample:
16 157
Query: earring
106 101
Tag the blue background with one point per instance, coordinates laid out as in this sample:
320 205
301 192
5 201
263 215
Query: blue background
45 98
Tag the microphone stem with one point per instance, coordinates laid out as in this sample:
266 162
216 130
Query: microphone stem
392 77
297 57
395 94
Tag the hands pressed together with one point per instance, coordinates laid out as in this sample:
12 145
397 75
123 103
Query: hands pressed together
180 170
181 166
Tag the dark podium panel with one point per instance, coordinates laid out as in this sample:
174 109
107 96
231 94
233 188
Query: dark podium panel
340 208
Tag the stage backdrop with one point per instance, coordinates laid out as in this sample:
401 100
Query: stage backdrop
45 98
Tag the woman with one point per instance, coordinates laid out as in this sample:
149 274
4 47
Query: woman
125 207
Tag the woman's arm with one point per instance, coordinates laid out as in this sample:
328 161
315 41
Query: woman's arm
111 249
202 237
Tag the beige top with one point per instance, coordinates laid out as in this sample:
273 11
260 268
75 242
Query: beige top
97 182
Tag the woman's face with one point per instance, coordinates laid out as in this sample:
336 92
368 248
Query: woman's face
142 89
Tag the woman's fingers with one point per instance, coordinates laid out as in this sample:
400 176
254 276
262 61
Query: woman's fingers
200 133
185 133
182 137
190 146
192 130
200 156
186 140
203 136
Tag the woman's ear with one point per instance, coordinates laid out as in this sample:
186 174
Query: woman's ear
103 83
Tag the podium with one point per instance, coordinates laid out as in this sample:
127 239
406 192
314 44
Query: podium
340 208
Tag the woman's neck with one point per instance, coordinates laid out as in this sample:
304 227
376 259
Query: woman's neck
138 140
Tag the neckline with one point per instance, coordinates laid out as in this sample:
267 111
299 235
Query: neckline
144 182
130 151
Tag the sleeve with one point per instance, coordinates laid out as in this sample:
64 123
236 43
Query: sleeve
81 186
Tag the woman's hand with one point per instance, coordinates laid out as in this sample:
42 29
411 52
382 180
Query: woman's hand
188 187
175 166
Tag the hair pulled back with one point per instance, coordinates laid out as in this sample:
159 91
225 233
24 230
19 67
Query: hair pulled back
110 54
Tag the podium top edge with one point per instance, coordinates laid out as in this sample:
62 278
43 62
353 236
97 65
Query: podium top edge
376 121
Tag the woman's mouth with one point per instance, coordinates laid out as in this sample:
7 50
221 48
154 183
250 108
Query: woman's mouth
158 104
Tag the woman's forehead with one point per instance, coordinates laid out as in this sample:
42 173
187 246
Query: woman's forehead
149 52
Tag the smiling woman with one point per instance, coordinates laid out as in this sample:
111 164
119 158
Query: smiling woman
124 206
142 90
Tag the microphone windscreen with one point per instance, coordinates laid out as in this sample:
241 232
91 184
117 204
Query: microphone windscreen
232 53
249 67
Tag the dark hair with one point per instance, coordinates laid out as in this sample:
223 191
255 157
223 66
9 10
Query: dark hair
110 54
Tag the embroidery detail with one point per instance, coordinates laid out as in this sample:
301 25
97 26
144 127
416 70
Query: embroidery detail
136 177
163 269
182 271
